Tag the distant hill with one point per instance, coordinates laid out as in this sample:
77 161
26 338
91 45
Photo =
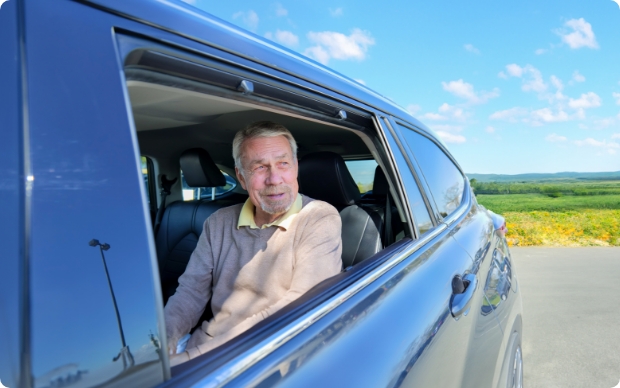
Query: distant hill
559 176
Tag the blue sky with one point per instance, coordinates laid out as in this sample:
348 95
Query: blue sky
511 87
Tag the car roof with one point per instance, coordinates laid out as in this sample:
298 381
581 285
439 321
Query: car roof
190 22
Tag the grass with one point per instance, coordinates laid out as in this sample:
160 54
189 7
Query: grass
567 219
541 202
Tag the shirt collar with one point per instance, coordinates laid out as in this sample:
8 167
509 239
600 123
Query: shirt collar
246 217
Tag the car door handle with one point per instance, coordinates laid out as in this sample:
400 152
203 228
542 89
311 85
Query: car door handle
462 295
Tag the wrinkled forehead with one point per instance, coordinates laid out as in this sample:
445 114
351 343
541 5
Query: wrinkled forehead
265 148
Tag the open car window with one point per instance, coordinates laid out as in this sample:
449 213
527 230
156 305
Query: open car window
173 114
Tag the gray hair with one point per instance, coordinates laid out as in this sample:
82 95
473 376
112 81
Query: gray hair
260 129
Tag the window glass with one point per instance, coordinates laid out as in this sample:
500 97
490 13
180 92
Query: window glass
443 178
363 172
421 217
192 193
94 309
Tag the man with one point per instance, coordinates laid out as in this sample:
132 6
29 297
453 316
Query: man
253 259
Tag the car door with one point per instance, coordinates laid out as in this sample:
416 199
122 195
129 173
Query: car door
392 327
473 230
12 188
91 301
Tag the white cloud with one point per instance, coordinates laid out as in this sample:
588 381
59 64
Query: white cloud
335 12
581 35
503 75
615 136
535 83
249 18
329 44
586 101
540 51
470 47
578 77
318 53
510 115
610 147
453 112
447 112
280 10
604 123
548 116
490 129
360 81
555 138
514 70
532 77
617 97
557 83
466 91
451 138
285 38
413 109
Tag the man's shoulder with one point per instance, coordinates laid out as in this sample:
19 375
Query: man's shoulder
226 214
317 208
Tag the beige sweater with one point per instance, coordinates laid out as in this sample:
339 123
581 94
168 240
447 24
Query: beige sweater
249 274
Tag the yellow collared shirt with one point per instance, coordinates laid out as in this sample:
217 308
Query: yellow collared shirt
246 218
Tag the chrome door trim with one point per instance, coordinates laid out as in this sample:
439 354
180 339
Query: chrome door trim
422 187
227 372
402 191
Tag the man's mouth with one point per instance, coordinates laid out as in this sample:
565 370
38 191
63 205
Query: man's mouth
275 197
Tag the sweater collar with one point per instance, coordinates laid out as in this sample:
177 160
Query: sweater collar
246 217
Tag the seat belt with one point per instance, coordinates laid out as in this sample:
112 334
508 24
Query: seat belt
166 185
387 229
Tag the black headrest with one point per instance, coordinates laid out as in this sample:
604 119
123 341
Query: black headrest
199 169
324 176
380 185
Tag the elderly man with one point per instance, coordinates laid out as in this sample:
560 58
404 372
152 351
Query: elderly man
253 259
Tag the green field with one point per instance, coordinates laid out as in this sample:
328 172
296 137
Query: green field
567 213
530 202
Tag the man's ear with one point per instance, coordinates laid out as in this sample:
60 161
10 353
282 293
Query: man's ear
240 178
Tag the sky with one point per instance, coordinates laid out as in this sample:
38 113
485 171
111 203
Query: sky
510 86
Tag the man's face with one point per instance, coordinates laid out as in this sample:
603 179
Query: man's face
269 176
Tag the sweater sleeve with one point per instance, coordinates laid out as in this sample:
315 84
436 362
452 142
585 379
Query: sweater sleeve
317 257
186 306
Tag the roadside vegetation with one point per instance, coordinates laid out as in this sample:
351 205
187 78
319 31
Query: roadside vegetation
556 213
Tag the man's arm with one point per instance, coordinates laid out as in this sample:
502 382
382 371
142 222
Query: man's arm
317 257
186 306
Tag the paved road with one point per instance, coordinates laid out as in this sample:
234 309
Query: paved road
571 316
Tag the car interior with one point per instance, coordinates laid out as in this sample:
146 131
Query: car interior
185 139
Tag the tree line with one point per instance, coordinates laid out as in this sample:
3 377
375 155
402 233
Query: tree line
550 189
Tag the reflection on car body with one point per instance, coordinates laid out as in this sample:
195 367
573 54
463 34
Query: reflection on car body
99 101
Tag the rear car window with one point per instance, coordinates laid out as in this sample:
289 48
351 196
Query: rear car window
444 179
363 172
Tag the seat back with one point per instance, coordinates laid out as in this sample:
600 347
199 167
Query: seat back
182 222
324 176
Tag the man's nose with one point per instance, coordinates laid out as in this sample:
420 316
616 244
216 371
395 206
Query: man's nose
274 176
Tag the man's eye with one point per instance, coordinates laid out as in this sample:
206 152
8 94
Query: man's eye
259 168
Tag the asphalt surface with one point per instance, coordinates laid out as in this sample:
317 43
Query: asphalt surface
571 316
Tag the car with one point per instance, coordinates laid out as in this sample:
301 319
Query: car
101 103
